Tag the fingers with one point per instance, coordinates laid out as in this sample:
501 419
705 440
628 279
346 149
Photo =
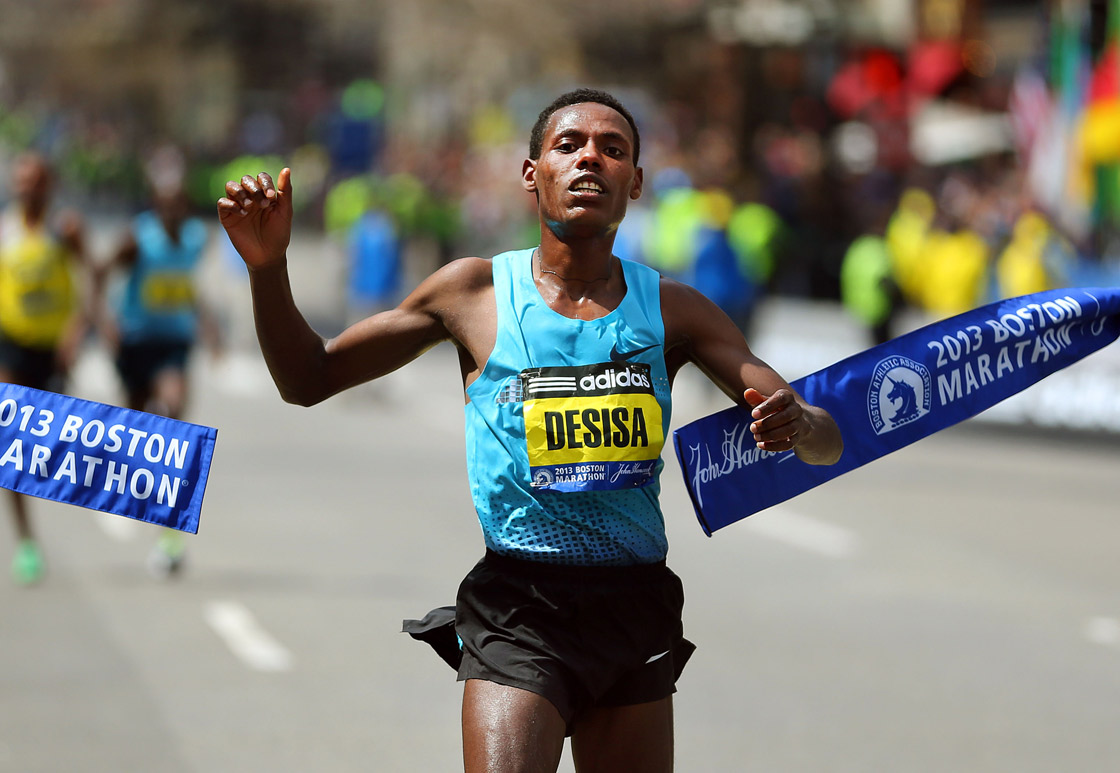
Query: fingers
753 397
255 189
778 419
781 439
284 197
228 208
777 428
253 193
241 199
763 406
267 188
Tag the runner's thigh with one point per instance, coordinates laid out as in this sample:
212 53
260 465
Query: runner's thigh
636 738
509 730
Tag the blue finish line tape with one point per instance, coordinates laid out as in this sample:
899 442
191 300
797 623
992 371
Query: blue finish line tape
894 394
104 457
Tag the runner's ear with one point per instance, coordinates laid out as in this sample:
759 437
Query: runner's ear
529 175
636 188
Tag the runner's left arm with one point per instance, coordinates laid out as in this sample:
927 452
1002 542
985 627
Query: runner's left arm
698 331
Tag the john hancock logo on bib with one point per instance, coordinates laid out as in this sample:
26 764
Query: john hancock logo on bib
591 427
899 393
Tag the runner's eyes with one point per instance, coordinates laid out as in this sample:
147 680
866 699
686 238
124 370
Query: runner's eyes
612 151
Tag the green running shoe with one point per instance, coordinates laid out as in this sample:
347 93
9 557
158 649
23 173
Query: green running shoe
27 566
166 559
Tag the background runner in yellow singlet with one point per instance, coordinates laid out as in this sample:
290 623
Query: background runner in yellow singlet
41 322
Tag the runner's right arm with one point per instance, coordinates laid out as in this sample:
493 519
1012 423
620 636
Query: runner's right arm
307 369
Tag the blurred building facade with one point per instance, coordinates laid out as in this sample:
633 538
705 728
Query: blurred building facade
824 110
193 70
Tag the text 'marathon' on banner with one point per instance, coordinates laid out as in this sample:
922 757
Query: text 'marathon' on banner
897 393
104 457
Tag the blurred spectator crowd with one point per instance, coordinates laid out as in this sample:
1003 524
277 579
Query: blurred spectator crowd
919 178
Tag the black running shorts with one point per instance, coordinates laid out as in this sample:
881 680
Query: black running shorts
30 366
138 362
579 636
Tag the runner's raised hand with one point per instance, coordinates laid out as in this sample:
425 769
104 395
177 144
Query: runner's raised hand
257 215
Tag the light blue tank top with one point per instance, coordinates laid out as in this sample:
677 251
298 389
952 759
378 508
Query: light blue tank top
566 423
158 302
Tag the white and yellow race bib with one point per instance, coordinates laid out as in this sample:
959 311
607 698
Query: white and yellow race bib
591 427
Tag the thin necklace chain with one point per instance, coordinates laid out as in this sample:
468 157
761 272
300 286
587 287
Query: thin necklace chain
543 270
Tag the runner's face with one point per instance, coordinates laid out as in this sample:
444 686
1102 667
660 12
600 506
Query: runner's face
585 174
31 182
172 207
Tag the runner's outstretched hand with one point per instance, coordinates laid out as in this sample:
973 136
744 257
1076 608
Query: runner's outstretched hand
778 420
257 215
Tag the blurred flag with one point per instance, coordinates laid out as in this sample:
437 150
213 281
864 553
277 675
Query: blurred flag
1030 106
1056 173
1100 129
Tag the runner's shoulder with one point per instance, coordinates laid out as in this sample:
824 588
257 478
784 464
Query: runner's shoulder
682 306
466 274
458 282
674 291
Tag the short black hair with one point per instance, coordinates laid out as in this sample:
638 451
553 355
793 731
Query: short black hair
578 97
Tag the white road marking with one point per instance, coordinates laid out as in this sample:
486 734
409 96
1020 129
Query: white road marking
245 637
801 531
1104 631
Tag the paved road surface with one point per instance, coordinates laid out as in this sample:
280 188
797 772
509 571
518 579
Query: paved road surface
953 607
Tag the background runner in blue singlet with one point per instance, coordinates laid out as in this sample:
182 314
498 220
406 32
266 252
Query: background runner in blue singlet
158 314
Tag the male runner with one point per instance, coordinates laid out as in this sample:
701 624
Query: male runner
158 318
571 624
40 324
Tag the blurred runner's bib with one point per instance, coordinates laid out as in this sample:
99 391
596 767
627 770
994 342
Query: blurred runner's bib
168 292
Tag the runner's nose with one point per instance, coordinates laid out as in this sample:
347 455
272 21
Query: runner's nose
589 157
